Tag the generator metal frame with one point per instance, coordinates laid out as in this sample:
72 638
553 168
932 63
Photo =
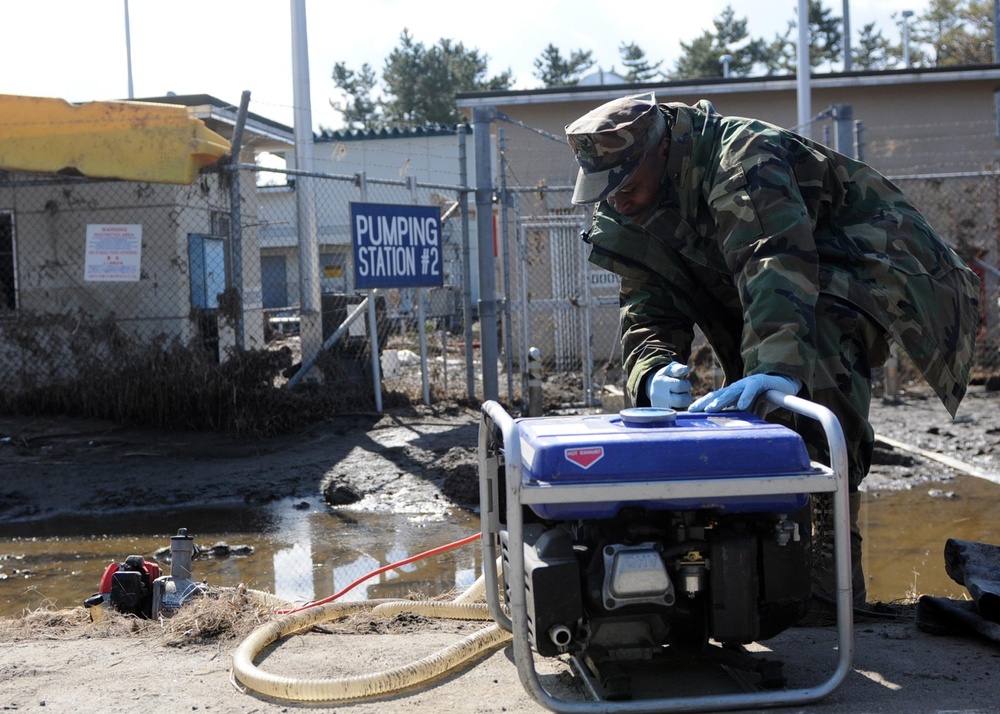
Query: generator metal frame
821 479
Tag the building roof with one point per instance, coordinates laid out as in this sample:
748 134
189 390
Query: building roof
725 85
329 135
269 135
261 133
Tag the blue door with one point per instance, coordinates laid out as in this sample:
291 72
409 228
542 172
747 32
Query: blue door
273 281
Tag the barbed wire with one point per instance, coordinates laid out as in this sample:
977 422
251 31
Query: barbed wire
541 132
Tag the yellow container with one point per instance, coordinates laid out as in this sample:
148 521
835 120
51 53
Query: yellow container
135 141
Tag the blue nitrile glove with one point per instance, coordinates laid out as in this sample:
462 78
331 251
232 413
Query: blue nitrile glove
670 387
744 392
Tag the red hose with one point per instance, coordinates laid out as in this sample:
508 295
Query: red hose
384 568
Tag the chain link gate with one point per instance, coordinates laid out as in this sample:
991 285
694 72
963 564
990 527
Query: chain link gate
563 305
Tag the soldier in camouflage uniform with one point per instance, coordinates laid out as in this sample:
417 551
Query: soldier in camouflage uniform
797 263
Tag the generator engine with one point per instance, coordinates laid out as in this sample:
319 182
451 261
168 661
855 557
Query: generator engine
627 579
626 586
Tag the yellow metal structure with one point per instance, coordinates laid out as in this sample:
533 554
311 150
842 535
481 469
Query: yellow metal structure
136 141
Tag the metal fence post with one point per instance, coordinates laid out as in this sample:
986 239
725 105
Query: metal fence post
508 339
376 366
362 181
524 316
891 385
481 119
534 382
418 297
422 335
843 120
236 218
586 330
463 198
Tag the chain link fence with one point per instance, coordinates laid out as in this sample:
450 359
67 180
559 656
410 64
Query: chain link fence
117 300
561 305
410 322
148 303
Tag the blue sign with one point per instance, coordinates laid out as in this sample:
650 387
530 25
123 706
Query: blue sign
396 246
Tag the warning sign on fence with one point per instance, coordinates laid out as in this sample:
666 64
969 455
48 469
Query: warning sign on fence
114 253
396 246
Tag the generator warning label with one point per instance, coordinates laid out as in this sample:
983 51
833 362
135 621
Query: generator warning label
585 457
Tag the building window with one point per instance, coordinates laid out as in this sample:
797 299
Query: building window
8 263
220 224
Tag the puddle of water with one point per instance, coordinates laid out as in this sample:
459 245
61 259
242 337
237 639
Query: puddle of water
308 554
905 533
299 555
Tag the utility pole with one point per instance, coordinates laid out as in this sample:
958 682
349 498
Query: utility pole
128 52
847 35
802 73
310 315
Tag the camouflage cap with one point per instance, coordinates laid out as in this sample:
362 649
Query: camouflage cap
610 143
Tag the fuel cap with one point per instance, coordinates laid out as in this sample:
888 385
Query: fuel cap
648 416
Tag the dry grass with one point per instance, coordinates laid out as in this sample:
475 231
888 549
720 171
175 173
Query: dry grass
222 614
229 614
45 623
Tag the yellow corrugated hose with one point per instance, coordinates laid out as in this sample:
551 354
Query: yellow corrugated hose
378 683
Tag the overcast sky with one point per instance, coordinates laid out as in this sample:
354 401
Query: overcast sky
76 50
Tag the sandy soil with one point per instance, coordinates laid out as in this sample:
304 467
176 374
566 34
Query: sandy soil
424 456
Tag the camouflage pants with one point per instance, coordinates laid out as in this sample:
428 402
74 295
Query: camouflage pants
849 345
824 574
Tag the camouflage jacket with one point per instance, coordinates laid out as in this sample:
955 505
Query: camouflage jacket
753 223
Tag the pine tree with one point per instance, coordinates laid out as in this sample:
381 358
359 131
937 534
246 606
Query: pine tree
699 58
556 71
421 83
955 32
826 42
703 56
873 51
827 37
638 68
358 108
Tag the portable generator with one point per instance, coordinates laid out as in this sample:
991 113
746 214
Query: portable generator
651 536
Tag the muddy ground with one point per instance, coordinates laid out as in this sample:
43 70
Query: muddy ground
409 458
422 458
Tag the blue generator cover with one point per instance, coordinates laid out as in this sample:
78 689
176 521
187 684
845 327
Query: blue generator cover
681 446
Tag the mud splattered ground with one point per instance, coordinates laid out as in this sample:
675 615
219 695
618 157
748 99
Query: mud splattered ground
919 420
